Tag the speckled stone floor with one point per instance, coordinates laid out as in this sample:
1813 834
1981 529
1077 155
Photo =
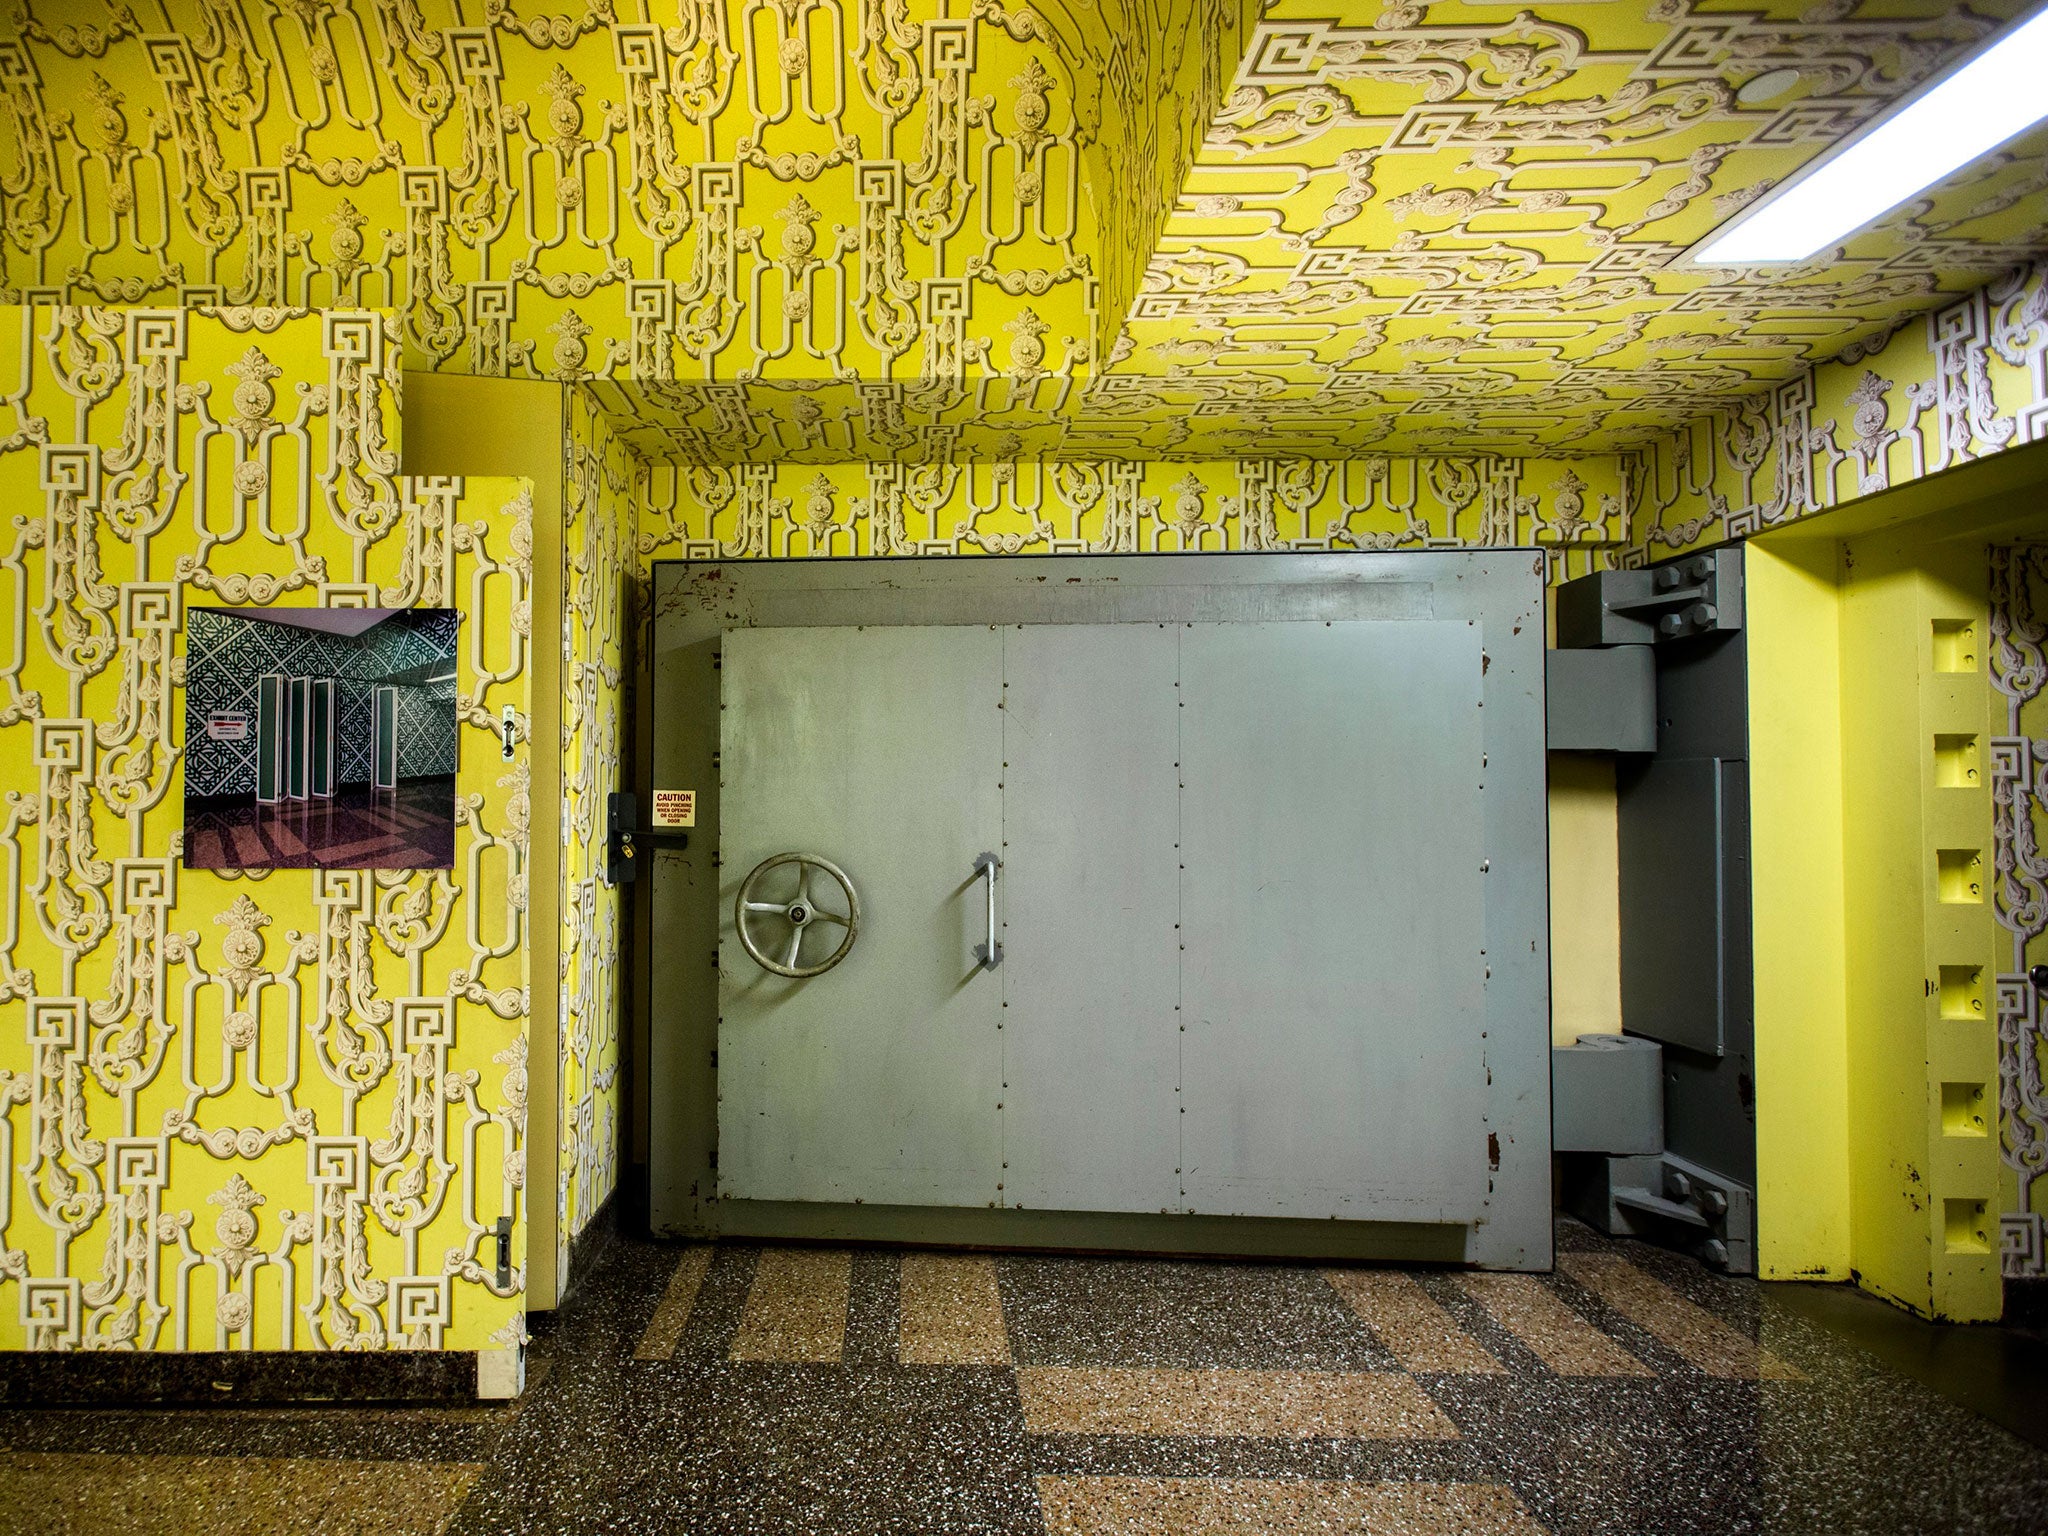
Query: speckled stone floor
742 1389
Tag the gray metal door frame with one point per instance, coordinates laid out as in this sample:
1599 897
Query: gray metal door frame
1499 592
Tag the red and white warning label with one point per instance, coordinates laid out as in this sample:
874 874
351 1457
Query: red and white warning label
674 808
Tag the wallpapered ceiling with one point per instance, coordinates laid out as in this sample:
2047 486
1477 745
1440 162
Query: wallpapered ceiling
235 1111
1422 230
226 654
1432 226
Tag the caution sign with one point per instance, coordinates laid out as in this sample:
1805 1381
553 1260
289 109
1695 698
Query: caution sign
674 808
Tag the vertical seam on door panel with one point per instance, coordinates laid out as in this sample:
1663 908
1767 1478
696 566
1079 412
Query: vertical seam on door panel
1180 1037
1002 851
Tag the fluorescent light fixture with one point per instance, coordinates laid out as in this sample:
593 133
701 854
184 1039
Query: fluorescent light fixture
1967 111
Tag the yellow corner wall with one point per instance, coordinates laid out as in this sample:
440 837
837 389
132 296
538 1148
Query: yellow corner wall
1918 869
244 1111
520 427
597 545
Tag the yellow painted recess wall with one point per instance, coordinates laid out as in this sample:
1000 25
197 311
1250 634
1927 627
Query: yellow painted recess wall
327 1165
519 427
1917 868
1791 606
1585 898
590 490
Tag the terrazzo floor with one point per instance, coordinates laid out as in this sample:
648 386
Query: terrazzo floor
765 1390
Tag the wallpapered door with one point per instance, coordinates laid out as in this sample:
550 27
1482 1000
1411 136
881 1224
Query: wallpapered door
238 1112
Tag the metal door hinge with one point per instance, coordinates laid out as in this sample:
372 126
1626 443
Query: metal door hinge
1693 595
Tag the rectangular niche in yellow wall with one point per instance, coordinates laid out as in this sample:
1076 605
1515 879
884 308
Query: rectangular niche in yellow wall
1962 992
1965 1226
1955 645
1959 874
1962 1109
1955 762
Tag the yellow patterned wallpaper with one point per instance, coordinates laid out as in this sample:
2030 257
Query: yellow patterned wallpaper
858 272
2019 748
1445 228
601 482
264 1111
1114 507
711 188
1968 380
914 229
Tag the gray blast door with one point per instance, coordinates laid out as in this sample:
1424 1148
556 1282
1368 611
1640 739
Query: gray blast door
1238 910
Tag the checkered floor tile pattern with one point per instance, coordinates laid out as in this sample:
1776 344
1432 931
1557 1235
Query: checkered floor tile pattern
745 1388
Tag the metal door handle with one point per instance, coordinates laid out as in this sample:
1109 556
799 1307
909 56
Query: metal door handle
990 954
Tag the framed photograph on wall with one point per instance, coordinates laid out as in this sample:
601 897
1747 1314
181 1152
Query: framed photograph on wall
320 738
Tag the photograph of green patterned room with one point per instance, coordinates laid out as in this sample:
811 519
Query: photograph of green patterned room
320 738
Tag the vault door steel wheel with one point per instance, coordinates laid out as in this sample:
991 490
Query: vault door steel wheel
779 914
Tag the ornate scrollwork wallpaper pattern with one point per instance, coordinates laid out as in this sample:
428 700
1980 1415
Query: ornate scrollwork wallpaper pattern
263 1111
810 188
1151 227
2019 783
599 499
826 277
1443 230
1966 381
1123 506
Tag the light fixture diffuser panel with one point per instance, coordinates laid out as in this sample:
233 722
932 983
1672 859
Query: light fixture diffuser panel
1985 101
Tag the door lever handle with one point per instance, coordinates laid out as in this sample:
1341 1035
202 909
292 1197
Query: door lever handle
990 954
